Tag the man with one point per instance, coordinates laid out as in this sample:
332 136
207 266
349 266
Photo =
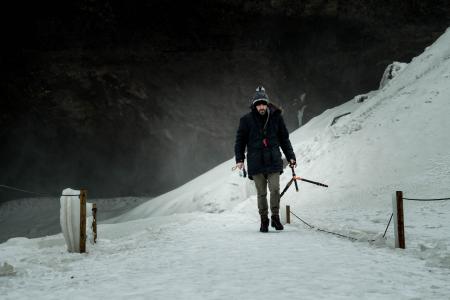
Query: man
262 131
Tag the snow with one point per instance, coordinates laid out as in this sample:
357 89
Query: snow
6 269
201 241
391 72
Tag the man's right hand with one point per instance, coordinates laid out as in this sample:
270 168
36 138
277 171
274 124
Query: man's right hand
292 163
240 165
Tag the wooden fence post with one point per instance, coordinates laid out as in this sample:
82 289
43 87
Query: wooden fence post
94 221
83 221
399 223
288 214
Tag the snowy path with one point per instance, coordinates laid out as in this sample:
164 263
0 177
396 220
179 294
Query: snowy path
216 256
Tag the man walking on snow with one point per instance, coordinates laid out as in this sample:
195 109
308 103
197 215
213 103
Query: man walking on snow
262 131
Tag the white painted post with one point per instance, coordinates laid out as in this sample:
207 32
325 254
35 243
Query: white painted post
399 228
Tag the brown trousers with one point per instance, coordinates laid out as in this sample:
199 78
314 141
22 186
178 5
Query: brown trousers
261 181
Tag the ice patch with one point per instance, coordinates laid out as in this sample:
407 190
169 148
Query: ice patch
7 270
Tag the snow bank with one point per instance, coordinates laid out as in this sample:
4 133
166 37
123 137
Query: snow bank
216 191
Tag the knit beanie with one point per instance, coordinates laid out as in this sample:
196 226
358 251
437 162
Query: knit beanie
260 96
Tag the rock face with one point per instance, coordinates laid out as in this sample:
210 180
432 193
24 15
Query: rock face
137 97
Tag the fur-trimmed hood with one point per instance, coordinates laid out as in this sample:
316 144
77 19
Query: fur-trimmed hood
272 108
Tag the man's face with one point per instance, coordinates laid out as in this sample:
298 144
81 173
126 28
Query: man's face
261 108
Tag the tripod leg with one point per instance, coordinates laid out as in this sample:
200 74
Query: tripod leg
287 187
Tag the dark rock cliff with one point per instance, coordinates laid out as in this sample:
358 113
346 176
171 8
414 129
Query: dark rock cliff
137 97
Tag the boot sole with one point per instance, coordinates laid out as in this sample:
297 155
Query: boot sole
277 228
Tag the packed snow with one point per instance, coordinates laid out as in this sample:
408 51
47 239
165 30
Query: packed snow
202 240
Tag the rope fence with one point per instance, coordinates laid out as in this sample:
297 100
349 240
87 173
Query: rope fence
68 223
397 214
7 187
30 192
289 211
437 199
399 223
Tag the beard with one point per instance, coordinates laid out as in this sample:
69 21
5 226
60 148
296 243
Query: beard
262 112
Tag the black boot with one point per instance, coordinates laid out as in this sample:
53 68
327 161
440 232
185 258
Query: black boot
264 224
276 222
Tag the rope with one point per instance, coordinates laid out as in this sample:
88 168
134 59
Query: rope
310 226
389 223
437 199
30 192
22 190
323 230
338 234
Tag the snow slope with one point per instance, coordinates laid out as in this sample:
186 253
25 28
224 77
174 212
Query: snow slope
201 241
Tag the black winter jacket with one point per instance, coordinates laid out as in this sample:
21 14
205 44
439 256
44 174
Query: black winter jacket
263 136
